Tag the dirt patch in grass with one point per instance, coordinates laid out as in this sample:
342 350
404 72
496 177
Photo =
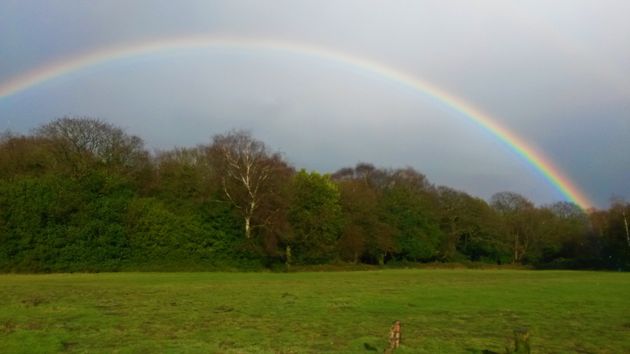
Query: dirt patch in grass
35 300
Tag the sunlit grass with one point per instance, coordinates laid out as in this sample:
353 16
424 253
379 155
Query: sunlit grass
442 311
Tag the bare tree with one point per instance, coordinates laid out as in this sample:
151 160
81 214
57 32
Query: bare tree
248 169
80 137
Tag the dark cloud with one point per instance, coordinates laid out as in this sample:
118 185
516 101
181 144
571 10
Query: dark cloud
552 72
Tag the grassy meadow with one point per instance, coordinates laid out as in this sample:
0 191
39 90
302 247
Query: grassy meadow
442 311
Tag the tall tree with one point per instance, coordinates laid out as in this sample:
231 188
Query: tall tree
565 232
185 175
248 170
517 212
408 205
81 142
360 214
469 226
367 232
616 235
315 216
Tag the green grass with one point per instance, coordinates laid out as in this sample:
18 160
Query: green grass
442 311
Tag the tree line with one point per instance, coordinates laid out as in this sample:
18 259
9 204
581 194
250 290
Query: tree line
80 194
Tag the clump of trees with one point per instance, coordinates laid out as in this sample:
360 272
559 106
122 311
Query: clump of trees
79 194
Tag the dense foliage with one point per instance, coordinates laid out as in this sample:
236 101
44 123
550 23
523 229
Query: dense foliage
79 194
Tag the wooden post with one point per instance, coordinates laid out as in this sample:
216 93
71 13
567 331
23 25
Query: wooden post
521 341
394 337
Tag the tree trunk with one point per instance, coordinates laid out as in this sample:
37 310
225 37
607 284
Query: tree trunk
248 228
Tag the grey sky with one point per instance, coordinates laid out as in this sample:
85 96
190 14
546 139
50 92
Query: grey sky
553 72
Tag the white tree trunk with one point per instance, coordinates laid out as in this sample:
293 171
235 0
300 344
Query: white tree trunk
248 228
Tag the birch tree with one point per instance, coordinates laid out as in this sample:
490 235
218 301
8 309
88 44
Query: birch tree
248 170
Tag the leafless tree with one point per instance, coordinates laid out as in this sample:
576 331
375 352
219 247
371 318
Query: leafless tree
80 137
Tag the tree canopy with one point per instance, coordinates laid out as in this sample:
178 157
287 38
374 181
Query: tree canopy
79 194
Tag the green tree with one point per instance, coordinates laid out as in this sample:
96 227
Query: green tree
53 223
162 239
315 217
408 206
470 228
366 234
518 214
613 232
564 234
24 156
185 177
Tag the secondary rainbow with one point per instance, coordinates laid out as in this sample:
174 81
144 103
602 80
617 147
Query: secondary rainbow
47 72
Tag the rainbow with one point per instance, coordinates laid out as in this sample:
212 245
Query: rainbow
536 159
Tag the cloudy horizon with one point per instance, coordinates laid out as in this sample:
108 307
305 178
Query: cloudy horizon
552 73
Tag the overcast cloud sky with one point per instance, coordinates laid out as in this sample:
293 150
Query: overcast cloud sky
553 72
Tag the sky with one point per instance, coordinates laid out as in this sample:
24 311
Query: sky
554 73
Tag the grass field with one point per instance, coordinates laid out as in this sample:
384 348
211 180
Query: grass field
442 311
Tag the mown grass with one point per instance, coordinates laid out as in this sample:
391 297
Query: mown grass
442 311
